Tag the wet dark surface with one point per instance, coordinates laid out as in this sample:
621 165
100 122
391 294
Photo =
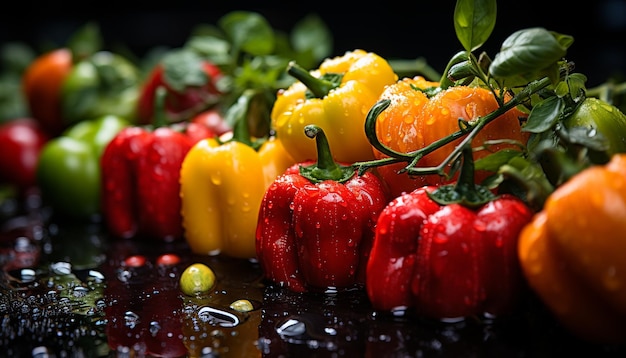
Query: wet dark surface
68 290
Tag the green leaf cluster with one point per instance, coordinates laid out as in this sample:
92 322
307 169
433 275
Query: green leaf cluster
254 56
569 129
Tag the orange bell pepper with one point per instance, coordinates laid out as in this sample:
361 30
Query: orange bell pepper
573 253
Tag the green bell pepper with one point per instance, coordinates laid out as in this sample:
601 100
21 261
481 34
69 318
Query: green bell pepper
68 171
102 84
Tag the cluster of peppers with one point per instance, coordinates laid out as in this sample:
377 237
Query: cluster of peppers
328 225
442 245
328 202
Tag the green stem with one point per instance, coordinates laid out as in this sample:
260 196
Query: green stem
241 133
159 119
464 191
318 86
460 57
522 96
326 168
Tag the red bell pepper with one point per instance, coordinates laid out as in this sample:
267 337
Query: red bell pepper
21 142
316 223
140 179
191 84
448 252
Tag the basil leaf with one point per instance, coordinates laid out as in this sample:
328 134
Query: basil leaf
544 115
249 32
474 21
529 50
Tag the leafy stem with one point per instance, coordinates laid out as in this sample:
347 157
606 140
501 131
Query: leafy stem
466 129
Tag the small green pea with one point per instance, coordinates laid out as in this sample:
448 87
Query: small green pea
197 279
242 306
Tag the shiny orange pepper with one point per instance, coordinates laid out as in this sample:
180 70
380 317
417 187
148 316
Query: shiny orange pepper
421 113
573 253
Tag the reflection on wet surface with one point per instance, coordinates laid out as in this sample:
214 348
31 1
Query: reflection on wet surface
69 290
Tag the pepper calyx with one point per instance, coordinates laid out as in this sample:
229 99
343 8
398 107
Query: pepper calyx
465 192
317 87
325 168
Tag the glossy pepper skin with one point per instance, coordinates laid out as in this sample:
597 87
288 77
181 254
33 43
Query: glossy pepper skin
222 184
68 171
420 113
448 252
597 115
339 104
21 142
141 177
191 84
141 181
573 253
316 224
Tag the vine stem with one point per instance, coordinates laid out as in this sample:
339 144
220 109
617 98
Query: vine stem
467 130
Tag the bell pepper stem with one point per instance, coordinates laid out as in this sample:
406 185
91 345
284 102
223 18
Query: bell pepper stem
465 191
319 87
241 132
325 168
159 119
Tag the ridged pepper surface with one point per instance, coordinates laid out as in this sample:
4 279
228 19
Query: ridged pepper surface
420 113
141 178
335 97
316 224
573 253
448 252
222 183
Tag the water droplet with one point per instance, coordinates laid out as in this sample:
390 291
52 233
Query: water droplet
80 291
216 178
61 268
440 238
218 317
131 319
291 328
155 327
95 276
480 225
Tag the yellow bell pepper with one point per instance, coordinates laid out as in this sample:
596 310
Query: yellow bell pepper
222 185
344 89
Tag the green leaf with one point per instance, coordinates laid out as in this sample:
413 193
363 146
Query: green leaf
214 48
86 41
529 50
313 36
494 161
183 68
544 115
249 32
474 21
576 84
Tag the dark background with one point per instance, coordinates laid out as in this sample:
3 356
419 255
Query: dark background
392 30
